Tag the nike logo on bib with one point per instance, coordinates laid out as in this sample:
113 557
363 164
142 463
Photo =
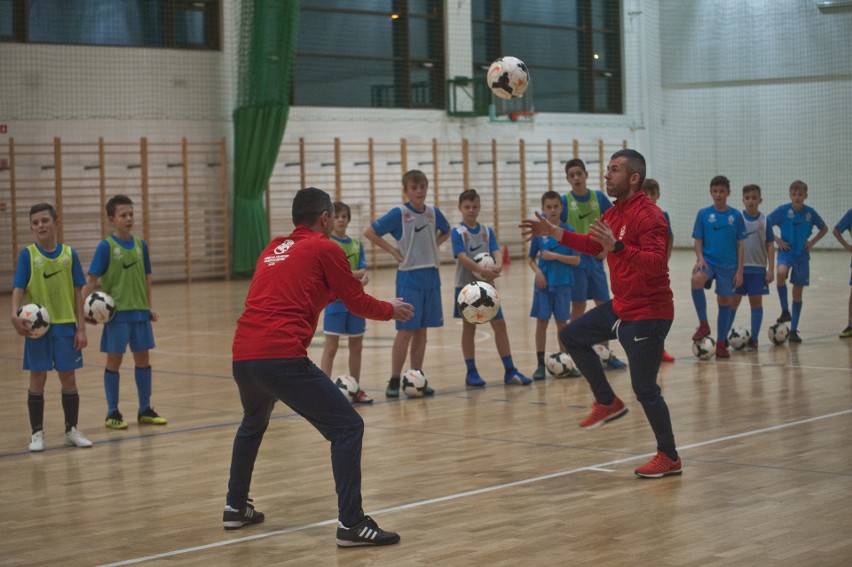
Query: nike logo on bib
584 216
718 227
419 228
475 248
46 276
128 266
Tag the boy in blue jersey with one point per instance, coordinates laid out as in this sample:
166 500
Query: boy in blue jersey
651 188
552 294
796 221
338 320
419 230
845 225
580 207
470 239
50 274
719 232
122 265
758 262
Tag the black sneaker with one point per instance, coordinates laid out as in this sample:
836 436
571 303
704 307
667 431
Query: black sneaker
794 337
785 317
234 519
365 532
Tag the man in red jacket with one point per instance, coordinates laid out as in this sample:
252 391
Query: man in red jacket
295 278
635 234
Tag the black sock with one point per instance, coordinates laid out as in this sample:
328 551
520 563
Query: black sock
394 381
540 356
35 405
71 407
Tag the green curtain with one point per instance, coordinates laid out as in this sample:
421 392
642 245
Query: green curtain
268 30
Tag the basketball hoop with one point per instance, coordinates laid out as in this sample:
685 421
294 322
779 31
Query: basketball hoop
522 115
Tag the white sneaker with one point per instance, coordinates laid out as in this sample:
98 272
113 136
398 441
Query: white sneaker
37 442
75 438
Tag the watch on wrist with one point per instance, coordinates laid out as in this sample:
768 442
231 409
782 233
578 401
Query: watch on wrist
619 246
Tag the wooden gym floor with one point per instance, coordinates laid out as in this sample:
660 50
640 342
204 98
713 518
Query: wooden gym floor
493 476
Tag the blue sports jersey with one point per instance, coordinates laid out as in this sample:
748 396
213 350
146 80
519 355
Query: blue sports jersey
719 232
795 226
556 272
337 306
100 264
423 278
668 222
845 224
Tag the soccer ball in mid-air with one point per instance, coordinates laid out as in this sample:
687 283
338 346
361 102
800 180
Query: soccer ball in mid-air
38 317
99 306
414 383
348 386
478 302
778 333
508 77
705 348
560 364
484 259
738 338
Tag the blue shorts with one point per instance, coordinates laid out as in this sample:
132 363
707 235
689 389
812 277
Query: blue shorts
53 351
589 283
117 335
754 283
457 315
552 302
799 267
724 279
343 323
427 308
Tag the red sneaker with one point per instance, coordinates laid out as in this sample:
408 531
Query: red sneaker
722 349
667 357
660 466
702 331
602 414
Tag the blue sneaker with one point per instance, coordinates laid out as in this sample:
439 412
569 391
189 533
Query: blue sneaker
539 373
574 373
515 377
474 379
614 363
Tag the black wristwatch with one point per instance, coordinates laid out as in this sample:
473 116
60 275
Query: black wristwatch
619 246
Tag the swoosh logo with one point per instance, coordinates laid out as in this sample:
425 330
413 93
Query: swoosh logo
584 216
637 339
46 276
718 227
475 248
419 228
128 266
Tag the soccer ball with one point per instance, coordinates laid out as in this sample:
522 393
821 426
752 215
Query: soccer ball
38 318
99 306
705 348
348 385
560 364
484 259
508 77
478 302
738 338
413 383
603 352
778 333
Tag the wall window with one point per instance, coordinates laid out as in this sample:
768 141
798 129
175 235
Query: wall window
187 24
371 53
572 47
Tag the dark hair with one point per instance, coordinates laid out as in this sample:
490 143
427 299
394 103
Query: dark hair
116 201
340 207
576 162
308 204
548 195
635 162
468 195
798 184
752 187
650 185
44 207
720 180
413 176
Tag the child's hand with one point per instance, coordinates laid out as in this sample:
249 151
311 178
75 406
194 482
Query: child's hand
90 321
490 273
80 339
782 244
770 276
21 325
738 279
700 266
365 279
540 281
548 255
399 257
154 316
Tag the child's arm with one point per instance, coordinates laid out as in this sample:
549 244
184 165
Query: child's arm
738 277
811 243
698 246
839 236
570 259
540 280
370 234
489 273
441 237
770 258
19 323
80 339
362 276
154 315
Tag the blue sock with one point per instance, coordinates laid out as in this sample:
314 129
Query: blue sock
733 317
700 303
111 390
782 295
471 364
756 321
723 325
507 363
143 387
797 311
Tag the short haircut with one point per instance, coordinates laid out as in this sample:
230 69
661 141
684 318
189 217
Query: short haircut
721 180
37 208
308 204
116 201
468 195
576 162
414 176
548 195
751 187
650 185
341 207
799 184
635 162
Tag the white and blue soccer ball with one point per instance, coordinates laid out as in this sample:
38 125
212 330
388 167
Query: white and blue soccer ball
38 317
99 306
478 302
